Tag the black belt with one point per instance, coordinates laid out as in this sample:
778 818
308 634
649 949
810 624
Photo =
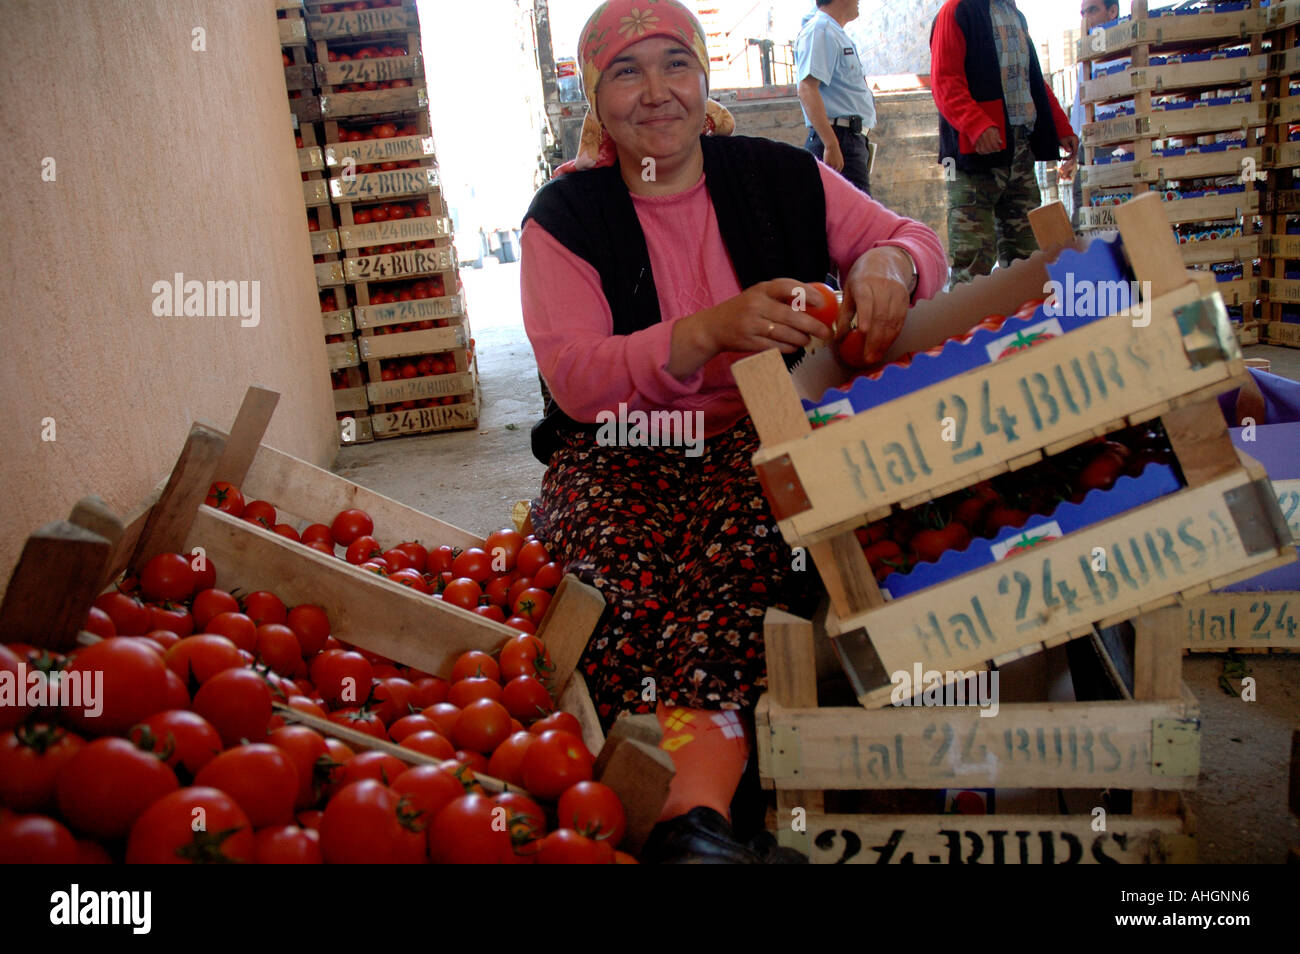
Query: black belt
852 123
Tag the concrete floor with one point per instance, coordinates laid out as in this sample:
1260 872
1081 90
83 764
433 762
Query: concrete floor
472 479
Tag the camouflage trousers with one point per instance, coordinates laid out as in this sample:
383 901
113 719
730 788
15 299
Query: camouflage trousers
988 215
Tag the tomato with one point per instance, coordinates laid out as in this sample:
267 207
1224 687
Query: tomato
362 549
306 704
525 655
167 576
929 545
503 547
35 840
410 579
369 823
469 690
130 617
593 809
351 524
312 627
392 698
317 533
527 823
165 833
341 678
178 696
260 512
238 704
306 750
263 607
183 739
532 557
507 759
430 743
99 623
428 789
827 307
532 603
236 627
1105 467
474 564
11 715
128 683
441 559
548 576
483 725
852 349
196 659
31 758
209 604
464 593
522 624
259 777
1004 515
527 699
497 590
555 761
287 845
474 761
563 721
475 663
494 613
417 554
225 497
471 830
107 785
277 647
360 718
566 847
444 716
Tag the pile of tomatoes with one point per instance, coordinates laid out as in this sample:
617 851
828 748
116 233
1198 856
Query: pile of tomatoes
923 534
183 758
510 579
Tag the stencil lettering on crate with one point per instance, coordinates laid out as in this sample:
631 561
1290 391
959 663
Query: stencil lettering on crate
359 22
378 70
960 845
1288 498
380 185
398 264
1260 619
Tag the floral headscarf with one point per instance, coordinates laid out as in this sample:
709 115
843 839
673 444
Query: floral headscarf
611 29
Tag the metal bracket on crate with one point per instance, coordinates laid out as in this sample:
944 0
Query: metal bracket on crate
858 658
1257 517
1207 334
1176 747
782 487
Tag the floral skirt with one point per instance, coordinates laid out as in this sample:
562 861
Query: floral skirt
688 557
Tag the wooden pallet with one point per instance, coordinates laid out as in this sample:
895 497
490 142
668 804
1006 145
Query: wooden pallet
807 752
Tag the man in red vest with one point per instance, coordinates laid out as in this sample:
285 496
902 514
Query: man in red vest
996 118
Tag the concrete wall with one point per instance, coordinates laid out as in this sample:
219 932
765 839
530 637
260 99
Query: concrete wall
167 160
907 176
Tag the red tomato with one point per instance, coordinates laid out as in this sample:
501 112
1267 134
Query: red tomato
852 349
525 655
167 577
517 586
128 681
507 759
441 559
35 839
263 607
548 576
417 554
236 627
532 557
555 761
469 831
312 627
106 786
318 533
428 691
410 579
367 823
475 762
286 530
522 624
566 847
475 663
342 678
464 593
277 647
209 604
261 512
474 564
31 759
497 590
349 525
494 613
593 809
305 748
503 547
165 833
444 715
821 303
527 699
178 696
532 603
469 690
563 721
259 777
392 698
483 725
196 659
179 737
430 743
130 617
287 845
428 789
361 549
360 718
225 497
99 623
174 618
238 704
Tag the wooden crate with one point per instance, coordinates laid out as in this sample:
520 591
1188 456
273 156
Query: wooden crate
364 24
1170 30
1235 622
806 752
1284 334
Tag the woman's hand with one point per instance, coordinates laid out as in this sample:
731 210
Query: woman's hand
759 318
879 291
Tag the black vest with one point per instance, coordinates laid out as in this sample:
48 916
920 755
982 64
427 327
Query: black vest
771 211
984 77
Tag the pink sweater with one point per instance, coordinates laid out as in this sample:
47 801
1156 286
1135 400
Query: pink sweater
590 369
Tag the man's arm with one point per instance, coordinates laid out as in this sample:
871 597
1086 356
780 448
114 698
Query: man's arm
810 95
948 81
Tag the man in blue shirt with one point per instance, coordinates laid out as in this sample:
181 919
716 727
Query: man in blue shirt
837 105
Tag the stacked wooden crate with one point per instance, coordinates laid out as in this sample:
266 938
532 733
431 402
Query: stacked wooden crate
1176 104
1224 524
1282 212
398 270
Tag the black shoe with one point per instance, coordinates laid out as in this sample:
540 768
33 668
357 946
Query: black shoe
700 837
